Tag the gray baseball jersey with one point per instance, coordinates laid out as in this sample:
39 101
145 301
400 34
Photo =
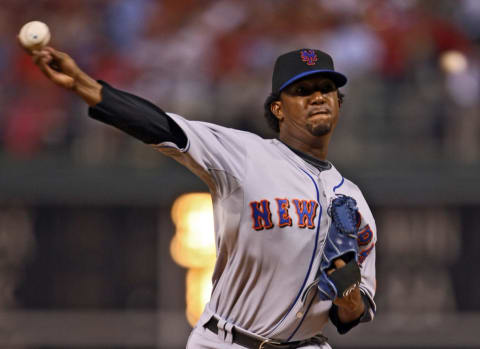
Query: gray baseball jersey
270 213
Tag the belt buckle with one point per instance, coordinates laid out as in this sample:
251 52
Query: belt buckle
268 341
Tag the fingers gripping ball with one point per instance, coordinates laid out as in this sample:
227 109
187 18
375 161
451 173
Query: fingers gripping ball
34 35
341 242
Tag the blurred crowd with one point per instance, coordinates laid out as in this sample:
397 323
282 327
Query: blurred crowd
413 69
412 97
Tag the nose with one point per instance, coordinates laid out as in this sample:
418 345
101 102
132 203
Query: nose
317 98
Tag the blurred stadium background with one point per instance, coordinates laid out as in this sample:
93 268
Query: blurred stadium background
85 211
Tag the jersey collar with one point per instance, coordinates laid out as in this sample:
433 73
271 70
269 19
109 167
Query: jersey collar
320 165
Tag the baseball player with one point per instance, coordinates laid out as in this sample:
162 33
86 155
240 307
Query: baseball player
295 239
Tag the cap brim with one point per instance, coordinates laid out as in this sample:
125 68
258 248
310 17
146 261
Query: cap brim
338 79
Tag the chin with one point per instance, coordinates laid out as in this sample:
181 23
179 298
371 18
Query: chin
319 130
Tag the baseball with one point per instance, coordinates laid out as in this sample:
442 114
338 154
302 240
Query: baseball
34 35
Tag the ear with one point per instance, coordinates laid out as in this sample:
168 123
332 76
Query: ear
339 99
276 109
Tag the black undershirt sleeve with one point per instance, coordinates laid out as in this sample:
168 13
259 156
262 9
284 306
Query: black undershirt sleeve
343 328
137 117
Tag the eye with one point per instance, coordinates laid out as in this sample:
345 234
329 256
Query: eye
302 91
327 88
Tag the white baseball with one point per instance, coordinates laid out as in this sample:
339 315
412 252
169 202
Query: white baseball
34 35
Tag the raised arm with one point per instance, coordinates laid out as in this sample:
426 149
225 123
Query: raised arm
127 112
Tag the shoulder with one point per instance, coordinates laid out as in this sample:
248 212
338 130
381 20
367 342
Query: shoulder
347 187
337 184
216 130
354 191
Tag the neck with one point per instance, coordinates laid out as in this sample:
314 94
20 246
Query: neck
317 147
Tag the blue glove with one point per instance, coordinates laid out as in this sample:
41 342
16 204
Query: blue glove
341 242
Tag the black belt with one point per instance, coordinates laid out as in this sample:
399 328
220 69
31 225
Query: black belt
253 343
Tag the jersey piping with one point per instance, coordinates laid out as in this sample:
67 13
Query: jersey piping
311 259
303 318
339 185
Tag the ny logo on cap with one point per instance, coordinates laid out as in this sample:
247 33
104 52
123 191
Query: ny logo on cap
309 56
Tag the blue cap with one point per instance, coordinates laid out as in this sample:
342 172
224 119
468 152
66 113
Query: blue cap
295 65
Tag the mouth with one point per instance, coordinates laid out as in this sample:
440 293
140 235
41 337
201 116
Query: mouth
319 112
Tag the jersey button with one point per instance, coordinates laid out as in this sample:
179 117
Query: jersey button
299 315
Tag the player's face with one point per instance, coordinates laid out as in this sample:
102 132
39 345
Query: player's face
308 107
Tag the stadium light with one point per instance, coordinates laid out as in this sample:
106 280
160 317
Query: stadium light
193 247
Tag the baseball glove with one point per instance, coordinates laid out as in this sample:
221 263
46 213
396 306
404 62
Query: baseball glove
341 242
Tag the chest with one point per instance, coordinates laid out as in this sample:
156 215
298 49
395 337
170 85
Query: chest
284 209
284 194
